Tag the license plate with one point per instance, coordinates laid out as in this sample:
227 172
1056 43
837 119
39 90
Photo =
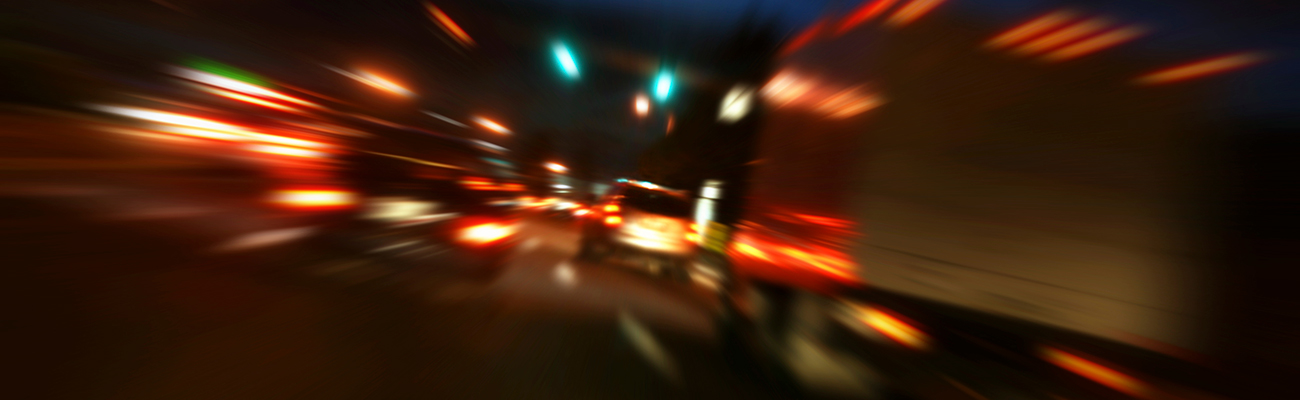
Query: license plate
654 223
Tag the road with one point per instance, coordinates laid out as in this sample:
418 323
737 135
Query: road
167 305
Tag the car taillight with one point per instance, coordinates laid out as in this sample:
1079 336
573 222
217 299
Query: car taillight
613 220
485 233
581 211
611 208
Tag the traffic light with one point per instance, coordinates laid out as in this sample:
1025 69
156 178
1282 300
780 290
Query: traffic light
566 60
663 85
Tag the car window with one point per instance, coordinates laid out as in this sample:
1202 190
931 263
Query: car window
657 202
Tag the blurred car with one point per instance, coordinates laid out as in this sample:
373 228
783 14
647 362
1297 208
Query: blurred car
642 220
412 218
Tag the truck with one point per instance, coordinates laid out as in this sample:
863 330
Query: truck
960 207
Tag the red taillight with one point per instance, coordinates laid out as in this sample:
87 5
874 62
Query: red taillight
613 220
485 233
580 211
611 208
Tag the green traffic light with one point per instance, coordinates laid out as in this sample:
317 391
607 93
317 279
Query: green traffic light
663 85
565 57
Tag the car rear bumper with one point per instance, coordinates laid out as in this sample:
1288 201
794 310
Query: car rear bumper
656 246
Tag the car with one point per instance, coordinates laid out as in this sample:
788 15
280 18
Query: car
643 221
416 220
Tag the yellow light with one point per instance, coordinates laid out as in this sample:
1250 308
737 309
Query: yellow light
491 125
313 198
486 233
287 141
382 83
751 251
693 237
642 105
611 208
286 151
892 328
613 220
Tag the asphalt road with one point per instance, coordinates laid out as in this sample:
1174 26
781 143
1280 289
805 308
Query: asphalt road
197 300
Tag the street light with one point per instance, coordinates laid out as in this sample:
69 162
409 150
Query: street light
565 57
556 168
642 105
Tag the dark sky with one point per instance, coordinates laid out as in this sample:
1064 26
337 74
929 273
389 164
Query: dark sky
512 75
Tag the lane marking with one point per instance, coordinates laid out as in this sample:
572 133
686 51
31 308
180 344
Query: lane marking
263 239
565 275
645 344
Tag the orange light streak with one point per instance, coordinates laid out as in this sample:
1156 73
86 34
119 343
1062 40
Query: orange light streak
449 26
1061 37
1096 43
746 249
911 11
1029 29
248 99
1096 372
893 328
1201 68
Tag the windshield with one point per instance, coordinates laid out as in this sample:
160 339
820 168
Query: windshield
657 202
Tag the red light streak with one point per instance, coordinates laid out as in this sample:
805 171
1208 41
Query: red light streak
1200 69
863 14
804 37
832 222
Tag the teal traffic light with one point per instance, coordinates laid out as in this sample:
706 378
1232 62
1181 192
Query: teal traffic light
663 85
566 60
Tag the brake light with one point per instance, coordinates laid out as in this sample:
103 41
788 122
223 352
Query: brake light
613 220
611 208
581 211
486 233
